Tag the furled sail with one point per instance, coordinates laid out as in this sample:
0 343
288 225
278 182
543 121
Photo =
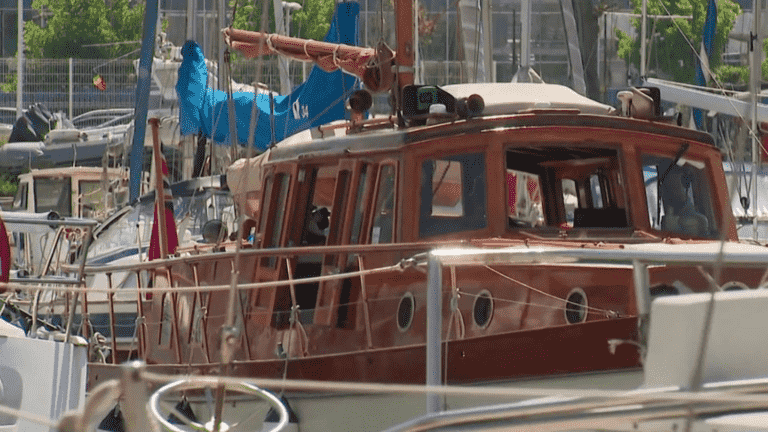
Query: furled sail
319 100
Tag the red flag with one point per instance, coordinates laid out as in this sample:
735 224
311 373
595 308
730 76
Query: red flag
99 83
170 223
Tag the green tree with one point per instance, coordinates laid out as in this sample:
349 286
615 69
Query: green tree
670 52
311 22
70 26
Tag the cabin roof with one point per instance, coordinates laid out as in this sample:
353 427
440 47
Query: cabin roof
510 98
78 172
503 104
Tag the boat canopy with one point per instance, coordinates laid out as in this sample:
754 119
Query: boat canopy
319 100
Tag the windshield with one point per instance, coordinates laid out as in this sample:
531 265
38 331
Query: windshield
53 194
679 196
135 224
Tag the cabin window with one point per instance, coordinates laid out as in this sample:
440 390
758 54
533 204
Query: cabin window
20 201
383 221
275 194
339 204
570 199
595 189
523 199
53 194
91 199
447 189
280 201
564 188
319 212
679 196
452 194
357 219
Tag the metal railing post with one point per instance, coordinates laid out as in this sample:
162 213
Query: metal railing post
434 330
71 87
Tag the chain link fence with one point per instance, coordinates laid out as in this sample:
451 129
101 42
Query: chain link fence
66 85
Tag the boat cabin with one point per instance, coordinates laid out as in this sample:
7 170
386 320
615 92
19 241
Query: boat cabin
556 171
87 192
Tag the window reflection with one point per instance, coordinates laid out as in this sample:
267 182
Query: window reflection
678 196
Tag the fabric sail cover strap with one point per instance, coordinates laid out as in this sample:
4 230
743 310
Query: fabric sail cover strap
319 100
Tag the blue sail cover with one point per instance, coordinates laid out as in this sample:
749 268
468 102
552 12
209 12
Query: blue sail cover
317 101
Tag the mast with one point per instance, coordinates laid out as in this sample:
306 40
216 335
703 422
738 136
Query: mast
282 62
191 19
643 37
19 57
142 97
404 53
756 49
485 10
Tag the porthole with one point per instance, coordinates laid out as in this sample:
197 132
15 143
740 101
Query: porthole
405 312
482 310
734 286
576 306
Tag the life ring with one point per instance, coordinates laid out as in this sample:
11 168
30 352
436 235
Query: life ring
5 255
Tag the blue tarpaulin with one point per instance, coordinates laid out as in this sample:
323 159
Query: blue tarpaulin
319 100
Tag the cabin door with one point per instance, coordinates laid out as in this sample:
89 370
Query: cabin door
344 225
267 305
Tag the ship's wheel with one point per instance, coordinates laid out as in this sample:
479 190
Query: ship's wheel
176 420
5 254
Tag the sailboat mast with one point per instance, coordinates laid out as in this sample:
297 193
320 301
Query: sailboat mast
643 37
142 97
19 57
756 48
404 55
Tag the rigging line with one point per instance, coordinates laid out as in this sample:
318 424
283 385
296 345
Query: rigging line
255 285
718 84
612 397
478 38
114 59
381 18
546 294
344 96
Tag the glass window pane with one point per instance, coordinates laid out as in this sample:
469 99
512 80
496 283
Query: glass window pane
679 196
53 194
385 206
357 222
447 189
523 199
91 199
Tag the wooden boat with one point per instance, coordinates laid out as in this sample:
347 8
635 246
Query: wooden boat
498 165
326 277
701 375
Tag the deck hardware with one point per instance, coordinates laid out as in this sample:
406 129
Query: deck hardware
405 312
576 306
482 309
